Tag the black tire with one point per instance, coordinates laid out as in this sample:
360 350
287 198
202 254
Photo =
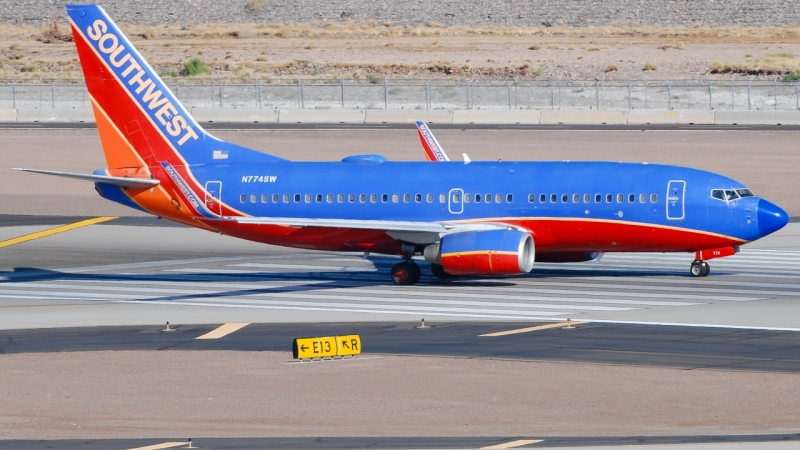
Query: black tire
438 271
696 269
706 269
416 271
403 274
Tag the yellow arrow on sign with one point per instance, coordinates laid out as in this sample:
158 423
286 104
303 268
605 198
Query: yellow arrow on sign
348 345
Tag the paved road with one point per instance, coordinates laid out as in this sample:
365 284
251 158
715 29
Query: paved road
408 126
134 275
644 345
737 442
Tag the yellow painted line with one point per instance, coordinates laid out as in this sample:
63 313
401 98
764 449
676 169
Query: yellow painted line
160 446
527 330
513 444
52 231
223 330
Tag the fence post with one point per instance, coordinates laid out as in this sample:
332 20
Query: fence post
629 96
775 93
302 96
213 103
732 91
428 94
603 92
516 102
597 94
14 94
467 93
508 85
645 94
552 96
797 99
260 104
52 94
709 95
689 93
40 92
559 94
669 96
748 94
220 94
342 93
385 94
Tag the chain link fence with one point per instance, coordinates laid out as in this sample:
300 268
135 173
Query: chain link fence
435 94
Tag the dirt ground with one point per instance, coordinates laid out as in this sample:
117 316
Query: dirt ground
766 162
243 394
360 51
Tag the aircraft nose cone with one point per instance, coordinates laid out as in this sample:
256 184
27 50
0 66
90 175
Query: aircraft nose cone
771 217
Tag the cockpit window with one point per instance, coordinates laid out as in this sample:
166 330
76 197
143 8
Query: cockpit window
731 195
744 193
718 194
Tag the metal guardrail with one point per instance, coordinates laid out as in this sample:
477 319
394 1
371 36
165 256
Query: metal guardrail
435 94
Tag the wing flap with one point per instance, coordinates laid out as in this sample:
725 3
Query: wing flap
116 181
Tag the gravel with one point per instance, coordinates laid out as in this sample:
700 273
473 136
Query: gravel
415 12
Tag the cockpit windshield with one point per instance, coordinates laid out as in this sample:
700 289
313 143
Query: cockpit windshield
728 195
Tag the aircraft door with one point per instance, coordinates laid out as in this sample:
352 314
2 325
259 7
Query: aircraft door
455 201
214 197
676 194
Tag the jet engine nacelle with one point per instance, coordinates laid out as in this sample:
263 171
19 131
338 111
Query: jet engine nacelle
493 252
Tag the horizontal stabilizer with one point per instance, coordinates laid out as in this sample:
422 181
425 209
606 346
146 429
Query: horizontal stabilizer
116 181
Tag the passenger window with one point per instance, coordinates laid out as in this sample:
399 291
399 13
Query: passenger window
429 198
456 198
498 198
243 198
362 198
620 198
418 198
477 198
329 198
553 198
274 198
631 198
488 198
576 198
319 198
297 198
351 198
308 198
442 198
264 198
531 198
609 198
384 198
467 198
564 198
373 198
253 198
587 198
285 198
340 198
731 195
542 198
598 198
395 198
653 198
509 198
718 194
406 198
642 198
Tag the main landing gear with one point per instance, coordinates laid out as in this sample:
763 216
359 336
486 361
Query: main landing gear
700 269
406 273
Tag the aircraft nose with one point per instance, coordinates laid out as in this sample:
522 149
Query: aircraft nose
771 217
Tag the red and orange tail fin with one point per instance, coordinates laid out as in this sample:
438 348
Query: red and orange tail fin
433 151
141 123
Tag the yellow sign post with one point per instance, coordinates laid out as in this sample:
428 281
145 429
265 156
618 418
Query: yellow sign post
321 347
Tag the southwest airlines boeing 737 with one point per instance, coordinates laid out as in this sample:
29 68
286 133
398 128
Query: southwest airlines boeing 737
466 218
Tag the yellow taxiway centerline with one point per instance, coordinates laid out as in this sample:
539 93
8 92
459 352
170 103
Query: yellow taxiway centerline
513 444
527 330
52 231
223 330
160 446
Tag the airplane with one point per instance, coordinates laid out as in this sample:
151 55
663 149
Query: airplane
470 218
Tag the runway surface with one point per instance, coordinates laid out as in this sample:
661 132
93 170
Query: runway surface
744 442
642 345
136 275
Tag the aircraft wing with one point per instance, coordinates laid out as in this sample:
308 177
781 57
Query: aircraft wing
414 232
116 181
433 151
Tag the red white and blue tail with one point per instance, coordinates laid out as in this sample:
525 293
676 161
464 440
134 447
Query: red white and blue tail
433 151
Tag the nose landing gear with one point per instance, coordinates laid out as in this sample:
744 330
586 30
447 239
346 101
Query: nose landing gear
406 273
700 269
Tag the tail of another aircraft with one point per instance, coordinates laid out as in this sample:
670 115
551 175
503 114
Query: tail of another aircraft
141 123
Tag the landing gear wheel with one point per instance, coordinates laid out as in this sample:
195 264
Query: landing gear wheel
696 269
404 274
706 269
438 271
416 272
